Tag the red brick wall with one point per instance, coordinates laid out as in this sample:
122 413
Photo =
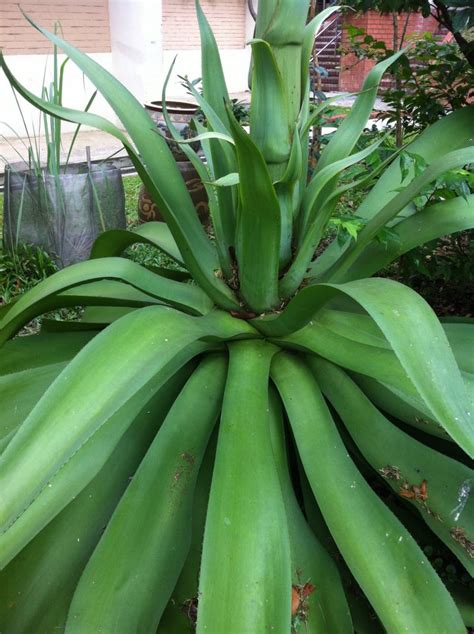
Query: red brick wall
380 27
180 28
85 23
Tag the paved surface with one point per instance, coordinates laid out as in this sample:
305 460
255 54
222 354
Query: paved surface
102 146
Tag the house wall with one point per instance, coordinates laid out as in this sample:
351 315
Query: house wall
136 40
136 37
84 23
232 26
353 71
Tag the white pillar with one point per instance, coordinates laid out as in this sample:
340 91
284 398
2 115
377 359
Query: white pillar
136 39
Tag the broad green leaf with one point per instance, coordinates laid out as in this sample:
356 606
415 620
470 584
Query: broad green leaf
26 371
84 463
258 225
126 358
152 521
400 403
461 340
245 579
39 583
403 461
19 393
391 569
36 351
102 315
114 242
45 295
362 328
180 612
325 609
413 332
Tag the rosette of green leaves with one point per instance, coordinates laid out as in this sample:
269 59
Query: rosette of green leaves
206 444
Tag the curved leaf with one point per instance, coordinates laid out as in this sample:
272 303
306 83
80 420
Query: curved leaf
245 579
439 166
434 221
447 134
391 569
161 176
46 294
413 332
325 609
114 242
125 363
404 462
51 564
152 521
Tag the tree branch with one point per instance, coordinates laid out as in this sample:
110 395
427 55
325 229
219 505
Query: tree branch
443 17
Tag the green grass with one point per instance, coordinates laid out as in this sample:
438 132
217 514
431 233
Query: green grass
131 186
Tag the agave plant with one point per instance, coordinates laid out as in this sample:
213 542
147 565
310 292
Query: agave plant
258 441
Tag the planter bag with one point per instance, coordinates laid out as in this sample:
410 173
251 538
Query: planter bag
63 214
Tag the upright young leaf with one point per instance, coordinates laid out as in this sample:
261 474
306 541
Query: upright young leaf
213 82
344 139
258 225
282 25
269 124
215 96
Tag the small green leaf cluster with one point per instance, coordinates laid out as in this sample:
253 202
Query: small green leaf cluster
428 82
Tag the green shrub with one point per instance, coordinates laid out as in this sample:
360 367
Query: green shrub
429 81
